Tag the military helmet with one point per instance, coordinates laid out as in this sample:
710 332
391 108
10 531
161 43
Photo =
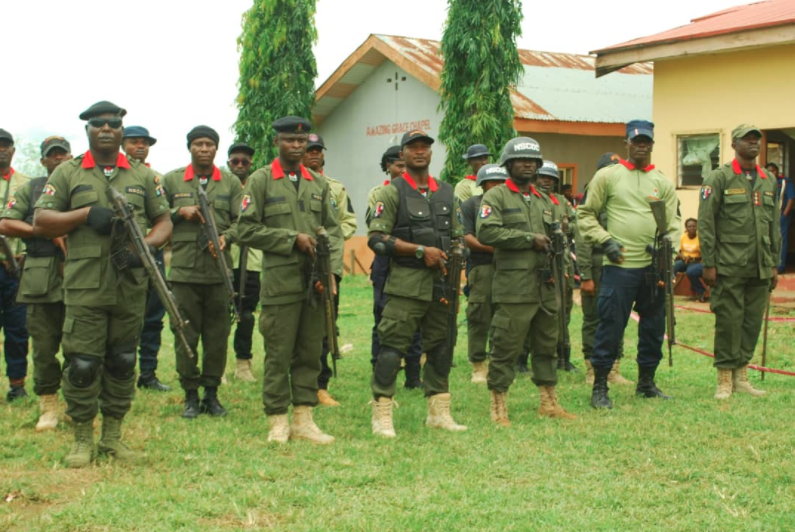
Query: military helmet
521 148
549 169
491 172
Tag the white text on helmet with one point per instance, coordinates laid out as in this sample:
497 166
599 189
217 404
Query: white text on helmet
526 146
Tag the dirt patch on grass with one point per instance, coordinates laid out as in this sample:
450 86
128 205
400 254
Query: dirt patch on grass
252 519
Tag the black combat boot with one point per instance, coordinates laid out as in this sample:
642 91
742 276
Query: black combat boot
646 387
521 363
148 380
599 398
567 365
191 404
16 392
210 404
412 370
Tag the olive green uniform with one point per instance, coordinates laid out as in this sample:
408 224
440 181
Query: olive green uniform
196 279
527 309
414 292
480 310
273 213
467 188
40 289
740 236
342 203
104 305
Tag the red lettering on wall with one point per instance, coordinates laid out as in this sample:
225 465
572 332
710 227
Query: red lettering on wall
397 127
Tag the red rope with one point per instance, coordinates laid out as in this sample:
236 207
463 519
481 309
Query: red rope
774 318
752 366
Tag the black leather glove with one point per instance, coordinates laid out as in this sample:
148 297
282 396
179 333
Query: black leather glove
134 261
613 249
101 220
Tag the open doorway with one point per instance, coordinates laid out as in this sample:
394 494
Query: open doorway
780 150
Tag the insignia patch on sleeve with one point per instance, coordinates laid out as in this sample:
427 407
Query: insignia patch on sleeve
49 190
245 203
379 209
460 216
334 204
11 204
485 211
706 192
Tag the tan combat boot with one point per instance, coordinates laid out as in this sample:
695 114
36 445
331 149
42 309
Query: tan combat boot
382 417
589 374
549 404
439 413
499 408
111 443
724 384
48 419
325 399
304 427
615 376
742 385
480 372
243 371
279 428
82 451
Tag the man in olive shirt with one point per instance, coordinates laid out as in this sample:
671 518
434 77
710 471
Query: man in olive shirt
517 221
476 156
196 278
240 156
315 159
104 284
40 287
624 191
284 203
738 226
12 316
414 224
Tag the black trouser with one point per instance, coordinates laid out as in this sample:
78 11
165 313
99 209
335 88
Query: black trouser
245 329
325 370
153 324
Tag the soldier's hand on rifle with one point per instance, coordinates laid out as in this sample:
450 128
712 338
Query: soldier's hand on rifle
774 279
710 276
134 260
305 244
191 213
614 251
221 242
60 243
434 258
541 243
100 219
588 287
319 286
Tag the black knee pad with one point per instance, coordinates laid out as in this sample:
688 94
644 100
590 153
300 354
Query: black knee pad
83 370
387 366
120 362
441 359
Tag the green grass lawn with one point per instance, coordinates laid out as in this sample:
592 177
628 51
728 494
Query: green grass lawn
688 464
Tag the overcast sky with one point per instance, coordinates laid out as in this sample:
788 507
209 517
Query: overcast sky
173 64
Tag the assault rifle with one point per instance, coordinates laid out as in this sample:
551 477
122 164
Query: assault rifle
241 289
214 240
124 213
13 265
452 288
559 268
322 272
662 260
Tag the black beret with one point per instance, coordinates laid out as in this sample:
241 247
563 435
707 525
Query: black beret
201 132
392 153
100 108
292 124
240 146
5 135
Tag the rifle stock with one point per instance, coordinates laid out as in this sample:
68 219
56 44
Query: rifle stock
326 278
663 260
125 214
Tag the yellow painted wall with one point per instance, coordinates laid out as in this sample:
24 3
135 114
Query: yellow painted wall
715 93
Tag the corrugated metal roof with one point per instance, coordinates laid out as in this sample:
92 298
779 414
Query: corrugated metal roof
735 19
556 86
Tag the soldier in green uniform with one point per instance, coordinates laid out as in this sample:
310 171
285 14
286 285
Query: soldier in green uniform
516 220
40 287
476 156
481 271
283 205
740 244
196 278
239 160
563 212
414 224
104 284
12 315
315 159
589 261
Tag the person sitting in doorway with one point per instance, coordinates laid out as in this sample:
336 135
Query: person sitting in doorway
688 261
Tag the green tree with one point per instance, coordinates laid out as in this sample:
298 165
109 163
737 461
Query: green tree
27 158
481 65
277 70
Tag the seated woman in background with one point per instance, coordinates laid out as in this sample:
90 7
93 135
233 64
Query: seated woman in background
688 260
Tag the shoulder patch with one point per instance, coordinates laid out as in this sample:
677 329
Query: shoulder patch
379 209
11 204
485 211
49 190
706 192
245 203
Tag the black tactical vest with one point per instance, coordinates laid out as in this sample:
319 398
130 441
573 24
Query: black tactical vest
423 221
479 258
38 247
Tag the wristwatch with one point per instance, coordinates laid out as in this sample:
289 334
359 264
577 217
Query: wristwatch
420 252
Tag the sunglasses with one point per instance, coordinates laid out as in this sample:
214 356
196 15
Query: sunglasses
236 161
113 123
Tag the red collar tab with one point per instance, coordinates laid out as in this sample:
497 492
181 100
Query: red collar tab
7 176
738 169
553 198
121 161
471 178
190 173
432 184
386 182
513 188
631 166
278 172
